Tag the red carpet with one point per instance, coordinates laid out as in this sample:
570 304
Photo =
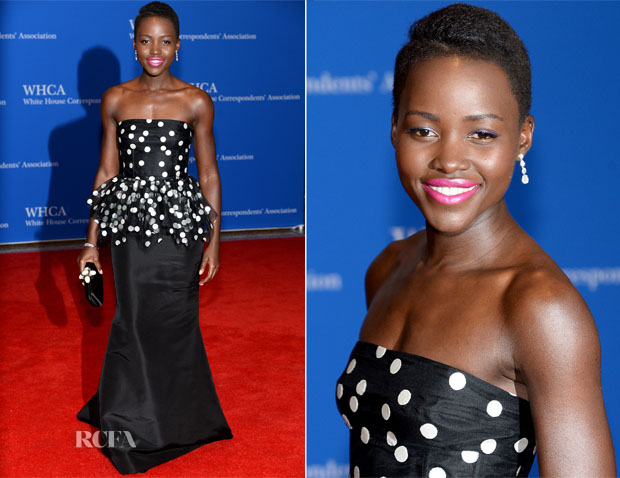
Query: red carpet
52 345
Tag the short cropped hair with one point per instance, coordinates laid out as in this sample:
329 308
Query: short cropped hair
157 9
467 31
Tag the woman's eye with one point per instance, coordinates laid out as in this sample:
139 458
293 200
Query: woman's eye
167 42
483 135
144 42
422 132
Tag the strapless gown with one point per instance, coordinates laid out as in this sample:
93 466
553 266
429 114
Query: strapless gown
156 399
410 416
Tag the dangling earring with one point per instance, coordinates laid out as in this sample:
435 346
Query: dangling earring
177 52
524 177
136 54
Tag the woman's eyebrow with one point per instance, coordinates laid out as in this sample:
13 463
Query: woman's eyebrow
482 116
424 114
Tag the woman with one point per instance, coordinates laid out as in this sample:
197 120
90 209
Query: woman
476 351
156 399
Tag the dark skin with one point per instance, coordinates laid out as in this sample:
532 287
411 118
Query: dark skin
473 290
157 94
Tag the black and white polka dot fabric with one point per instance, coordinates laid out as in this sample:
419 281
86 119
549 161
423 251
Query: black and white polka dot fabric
415 417
152 195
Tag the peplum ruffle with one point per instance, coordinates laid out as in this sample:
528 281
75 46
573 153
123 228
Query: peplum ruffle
151 207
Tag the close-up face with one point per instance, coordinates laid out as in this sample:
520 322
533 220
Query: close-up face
457 137
156 43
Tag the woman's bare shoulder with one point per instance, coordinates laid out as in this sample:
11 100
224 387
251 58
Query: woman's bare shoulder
549 322
381 267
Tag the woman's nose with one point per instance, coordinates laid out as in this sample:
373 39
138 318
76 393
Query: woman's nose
450 157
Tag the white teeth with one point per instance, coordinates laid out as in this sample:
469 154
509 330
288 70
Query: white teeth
450 191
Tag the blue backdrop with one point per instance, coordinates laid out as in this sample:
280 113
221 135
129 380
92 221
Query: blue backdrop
357 204
59 57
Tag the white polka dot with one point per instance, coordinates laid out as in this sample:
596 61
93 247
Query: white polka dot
163 148
494 408
356 472
361 387
185 125
133 127
145 132
161 164
351 366
534 451
163 139
147 149
171 133
428 430
149 120
401 454
129 151
365 435
470 456
160 124
385 411
339 390
488 446
513 394
353 404
390 438
521 445
404 397
395 366
141 163
168 153
437 472
347 422
380 351
122 130
130 135
518 470
164 174
181 143
457 381
141 139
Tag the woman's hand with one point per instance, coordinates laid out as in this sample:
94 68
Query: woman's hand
89 254
210 261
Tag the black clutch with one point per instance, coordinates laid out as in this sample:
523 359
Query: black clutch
94 286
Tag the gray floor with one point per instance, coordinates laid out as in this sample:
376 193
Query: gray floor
298 231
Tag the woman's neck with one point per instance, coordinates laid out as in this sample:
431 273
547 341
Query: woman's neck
156 83
485 242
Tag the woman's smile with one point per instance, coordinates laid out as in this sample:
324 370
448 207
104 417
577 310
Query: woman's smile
450 191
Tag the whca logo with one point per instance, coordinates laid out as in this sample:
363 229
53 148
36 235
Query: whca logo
50 89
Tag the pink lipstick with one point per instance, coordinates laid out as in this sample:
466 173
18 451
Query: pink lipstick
450 191
155 61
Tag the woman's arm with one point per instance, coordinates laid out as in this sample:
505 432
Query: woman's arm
108 167
557 355
208 175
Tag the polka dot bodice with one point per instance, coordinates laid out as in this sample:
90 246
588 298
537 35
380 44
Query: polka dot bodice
153 194
415 417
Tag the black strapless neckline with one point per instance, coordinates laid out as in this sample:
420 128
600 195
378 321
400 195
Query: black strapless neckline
149 120
443 364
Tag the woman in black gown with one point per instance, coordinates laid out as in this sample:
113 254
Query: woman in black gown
476 351
156 399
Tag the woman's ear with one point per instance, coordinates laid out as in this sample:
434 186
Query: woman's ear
525 138
393 131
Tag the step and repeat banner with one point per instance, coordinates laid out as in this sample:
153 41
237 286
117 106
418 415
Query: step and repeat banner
59 57
357 204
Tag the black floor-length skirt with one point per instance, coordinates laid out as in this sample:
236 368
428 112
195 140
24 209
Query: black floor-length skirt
156 399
